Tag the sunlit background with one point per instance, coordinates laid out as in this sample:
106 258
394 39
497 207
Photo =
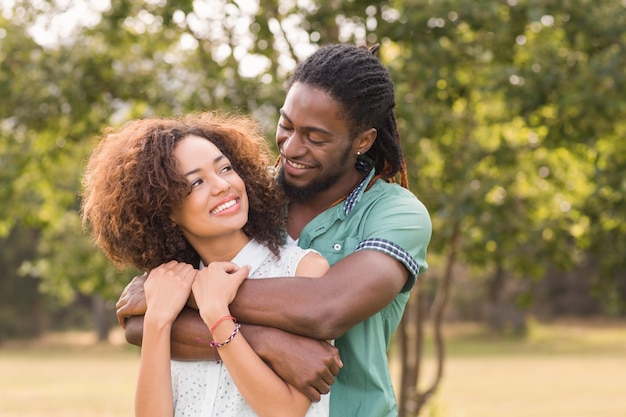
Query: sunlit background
511 115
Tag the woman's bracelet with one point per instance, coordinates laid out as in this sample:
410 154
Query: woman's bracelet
221 320
215 344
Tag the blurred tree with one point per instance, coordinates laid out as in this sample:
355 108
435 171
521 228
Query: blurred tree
21 309
496 100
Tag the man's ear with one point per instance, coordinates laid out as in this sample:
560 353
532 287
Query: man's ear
365 140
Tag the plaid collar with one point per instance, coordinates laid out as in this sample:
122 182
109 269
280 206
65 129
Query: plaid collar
356 194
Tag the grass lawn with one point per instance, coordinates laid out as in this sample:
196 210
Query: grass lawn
562 370
570 369
67 375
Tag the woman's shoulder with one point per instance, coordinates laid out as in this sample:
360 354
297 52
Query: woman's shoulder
293 261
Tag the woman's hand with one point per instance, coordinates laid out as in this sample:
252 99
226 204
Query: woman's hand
167 289
215 287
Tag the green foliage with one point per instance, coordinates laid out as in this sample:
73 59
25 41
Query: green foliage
508 111
18 296
510 115
68 263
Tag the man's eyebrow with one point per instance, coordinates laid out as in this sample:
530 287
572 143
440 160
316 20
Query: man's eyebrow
307 128
196 170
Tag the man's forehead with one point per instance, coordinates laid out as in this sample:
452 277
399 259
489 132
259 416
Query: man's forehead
308 102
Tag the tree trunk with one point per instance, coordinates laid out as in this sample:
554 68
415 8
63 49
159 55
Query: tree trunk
495 289
102 317
503 314
410 342
411 399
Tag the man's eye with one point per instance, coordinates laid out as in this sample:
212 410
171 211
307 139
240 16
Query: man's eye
282 126
313 141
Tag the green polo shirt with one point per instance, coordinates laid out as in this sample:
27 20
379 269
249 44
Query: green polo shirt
386 218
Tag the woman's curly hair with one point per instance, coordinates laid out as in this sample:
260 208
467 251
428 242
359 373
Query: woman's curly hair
132 185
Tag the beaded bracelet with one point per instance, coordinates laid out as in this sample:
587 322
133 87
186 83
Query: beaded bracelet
215 344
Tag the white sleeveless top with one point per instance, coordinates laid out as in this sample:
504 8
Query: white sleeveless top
205 388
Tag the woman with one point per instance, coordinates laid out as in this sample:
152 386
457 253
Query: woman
187 192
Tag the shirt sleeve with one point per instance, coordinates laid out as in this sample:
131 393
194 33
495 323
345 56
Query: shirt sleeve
398 224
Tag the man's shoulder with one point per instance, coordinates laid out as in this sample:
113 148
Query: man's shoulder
393 197
393 187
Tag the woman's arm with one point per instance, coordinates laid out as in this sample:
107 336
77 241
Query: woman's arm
167 289
153 396
312 265
265 392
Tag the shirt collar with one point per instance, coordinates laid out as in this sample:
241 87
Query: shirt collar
356 194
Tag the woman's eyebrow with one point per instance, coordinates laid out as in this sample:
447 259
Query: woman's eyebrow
196 170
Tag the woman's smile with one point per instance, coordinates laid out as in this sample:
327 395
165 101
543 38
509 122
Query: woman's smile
226 207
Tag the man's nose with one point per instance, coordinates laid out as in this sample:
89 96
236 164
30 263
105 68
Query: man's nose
293 145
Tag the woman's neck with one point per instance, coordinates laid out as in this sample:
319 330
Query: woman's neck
223 249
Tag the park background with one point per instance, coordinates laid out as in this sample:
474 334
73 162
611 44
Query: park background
512 118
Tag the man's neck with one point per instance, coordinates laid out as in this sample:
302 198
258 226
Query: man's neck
302 212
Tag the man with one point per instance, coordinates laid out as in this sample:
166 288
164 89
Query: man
340 151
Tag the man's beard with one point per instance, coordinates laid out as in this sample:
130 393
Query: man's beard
306 192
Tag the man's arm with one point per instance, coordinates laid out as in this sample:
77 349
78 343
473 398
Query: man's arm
354 289
324 308
132 302
309 365
188 340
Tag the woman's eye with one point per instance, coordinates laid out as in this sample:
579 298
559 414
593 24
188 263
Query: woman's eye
226 168
196 183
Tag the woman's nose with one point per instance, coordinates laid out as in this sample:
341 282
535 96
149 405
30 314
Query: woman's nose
220 185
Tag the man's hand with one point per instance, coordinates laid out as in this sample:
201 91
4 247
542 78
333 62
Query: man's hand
309 365
132 302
